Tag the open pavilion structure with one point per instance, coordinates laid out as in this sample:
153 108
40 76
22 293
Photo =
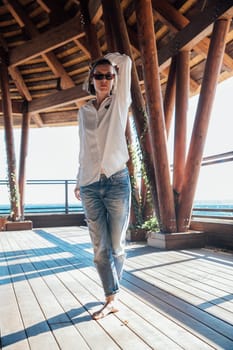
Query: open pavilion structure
173 298
179 48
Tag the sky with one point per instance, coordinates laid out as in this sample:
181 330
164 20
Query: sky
53 152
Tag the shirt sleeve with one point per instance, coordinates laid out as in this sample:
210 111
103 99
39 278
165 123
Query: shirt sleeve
122 91
124 65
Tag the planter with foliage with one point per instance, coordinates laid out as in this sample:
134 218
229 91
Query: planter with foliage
135 234
151 225
140 233
18 225
3 221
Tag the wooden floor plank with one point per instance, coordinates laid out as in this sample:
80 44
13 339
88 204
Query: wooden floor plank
150 338
187 317
59 324
230 333
113 324
169 299
167 302
183 288
201 345
106 340
209 262
11 324
220 289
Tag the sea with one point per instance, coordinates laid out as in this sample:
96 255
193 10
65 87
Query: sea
207 208
44 208
211 208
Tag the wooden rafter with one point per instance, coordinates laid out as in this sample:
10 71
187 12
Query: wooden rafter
176 21
57 99
20 16
19 82
194 32
55 38
46 42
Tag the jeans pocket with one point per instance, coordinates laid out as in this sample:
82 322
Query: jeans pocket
121 181
122 174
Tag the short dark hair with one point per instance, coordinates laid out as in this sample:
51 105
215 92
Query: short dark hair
99 62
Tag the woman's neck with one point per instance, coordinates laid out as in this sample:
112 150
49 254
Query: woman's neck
100 99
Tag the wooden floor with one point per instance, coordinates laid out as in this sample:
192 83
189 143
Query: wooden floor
169 299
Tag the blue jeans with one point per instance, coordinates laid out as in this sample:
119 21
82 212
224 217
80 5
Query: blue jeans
106 205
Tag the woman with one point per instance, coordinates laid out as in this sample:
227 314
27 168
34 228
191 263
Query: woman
103 182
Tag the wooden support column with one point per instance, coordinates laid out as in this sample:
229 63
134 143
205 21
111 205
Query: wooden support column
157 127
134 217
90 30
198 138
23 155
182 96
169 98
9 137
138 104
109 30
135 214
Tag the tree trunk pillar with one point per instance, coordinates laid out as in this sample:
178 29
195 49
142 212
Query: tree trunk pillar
169 98
198 138
157 128
23 155
9 137
138 104
90 31
182 96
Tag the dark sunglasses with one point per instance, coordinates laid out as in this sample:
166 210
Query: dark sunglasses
100 76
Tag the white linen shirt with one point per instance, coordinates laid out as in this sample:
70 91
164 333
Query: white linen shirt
103 147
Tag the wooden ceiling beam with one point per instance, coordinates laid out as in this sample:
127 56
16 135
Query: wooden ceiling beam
90 30
37 120
177 21
55 10
16 75
50 58
47 41
3 42
11 7
45 5
82 47
194 32
57 99
21 17
60 118
95 10
16 107
19 83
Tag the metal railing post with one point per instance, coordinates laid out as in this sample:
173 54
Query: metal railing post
66 197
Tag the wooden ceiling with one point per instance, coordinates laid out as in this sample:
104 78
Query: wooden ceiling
48 55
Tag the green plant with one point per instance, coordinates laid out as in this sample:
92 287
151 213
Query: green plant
14 198
141 195
151 224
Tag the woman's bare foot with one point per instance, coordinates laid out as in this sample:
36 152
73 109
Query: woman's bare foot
109 307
